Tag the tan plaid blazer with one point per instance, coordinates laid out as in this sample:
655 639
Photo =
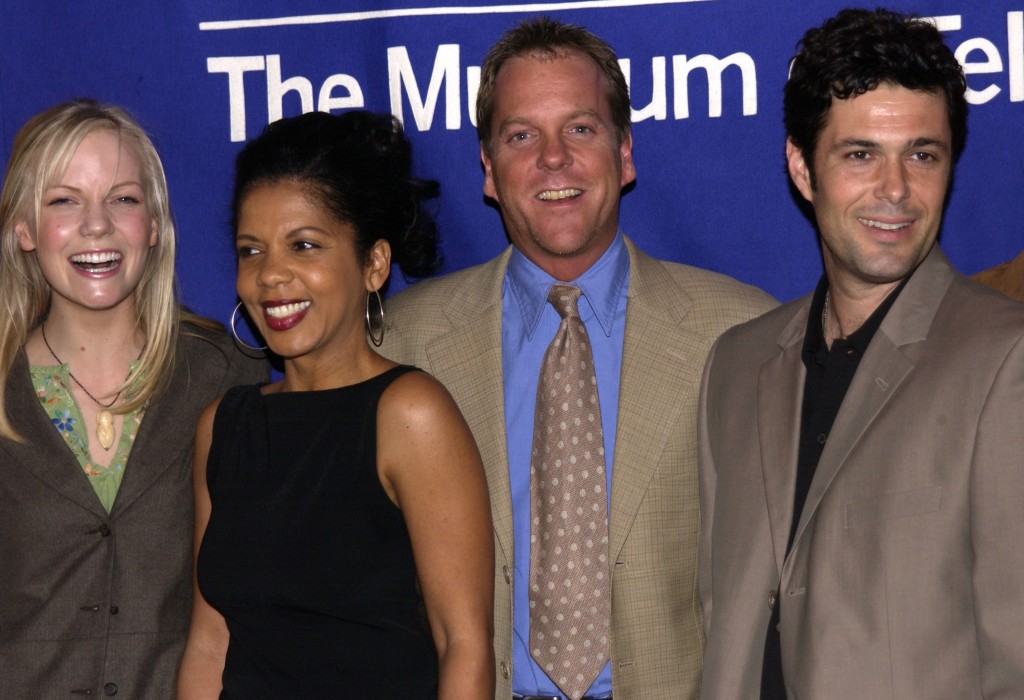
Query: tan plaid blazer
451 327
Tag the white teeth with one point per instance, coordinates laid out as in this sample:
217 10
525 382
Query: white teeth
554 195
96 258
287 310
883 226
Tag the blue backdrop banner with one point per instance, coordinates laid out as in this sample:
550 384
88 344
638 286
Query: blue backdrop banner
705 76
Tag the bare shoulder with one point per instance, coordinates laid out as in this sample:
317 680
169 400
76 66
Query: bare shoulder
415 398
423 441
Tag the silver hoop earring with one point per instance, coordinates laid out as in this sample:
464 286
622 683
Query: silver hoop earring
374 327
234 332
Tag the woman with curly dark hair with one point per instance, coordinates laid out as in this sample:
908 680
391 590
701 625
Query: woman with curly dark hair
336 506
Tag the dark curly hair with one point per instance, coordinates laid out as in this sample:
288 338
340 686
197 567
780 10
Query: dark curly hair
855 52
358 165
549 38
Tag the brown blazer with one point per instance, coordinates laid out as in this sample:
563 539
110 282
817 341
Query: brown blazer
906 575
1007 277
452 328
99 603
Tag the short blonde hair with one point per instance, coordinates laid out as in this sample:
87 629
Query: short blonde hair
42 150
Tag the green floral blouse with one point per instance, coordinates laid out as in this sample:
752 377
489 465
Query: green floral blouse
52 385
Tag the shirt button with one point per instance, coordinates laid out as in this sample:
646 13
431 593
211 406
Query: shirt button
822 438
110 689
504 669
507 573
114 610
773 596
105 532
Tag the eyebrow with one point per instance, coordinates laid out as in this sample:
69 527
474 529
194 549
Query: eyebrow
578 114
300 231
922 142
115 186
291 235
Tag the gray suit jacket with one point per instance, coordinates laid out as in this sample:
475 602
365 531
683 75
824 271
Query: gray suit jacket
96 602
452 328
906 575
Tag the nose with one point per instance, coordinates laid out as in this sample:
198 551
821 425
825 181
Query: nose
554 153
893 184
97 220
273 270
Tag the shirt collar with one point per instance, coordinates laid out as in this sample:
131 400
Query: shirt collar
814 339
601 285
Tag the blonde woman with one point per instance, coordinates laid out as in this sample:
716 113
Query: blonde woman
104 375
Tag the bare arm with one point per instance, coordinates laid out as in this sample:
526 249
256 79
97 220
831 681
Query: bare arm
429 465
202 665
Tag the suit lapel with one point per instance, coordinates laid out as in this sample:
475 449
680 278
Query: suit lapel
649 401
62 472
779 404
467 360
160 436
886 364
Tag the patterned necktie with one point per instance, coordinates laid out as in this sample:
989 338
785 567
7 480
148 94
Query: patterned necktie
570 600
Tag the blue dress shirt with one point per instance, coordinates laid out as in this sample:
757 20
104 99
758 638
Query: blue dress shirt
528 324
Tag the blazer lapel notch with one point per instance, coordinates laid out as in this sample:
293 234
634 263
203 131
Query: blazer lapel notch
41 438
649 402
879 375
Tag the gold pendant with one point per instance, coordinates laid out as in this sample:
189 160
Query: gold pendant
105 429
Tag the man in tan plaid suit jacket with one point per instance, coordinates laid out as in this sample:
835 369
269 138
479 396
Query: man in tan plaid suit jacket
555 165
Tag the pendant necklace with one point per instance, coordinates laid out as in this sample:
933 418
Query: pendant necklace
105 419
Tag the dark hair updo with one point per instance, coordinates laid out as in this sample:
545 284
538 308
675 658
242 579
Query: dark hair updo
359 166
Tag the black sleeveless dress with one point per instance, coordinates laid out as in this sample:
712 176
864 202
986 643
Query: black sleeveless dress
305 556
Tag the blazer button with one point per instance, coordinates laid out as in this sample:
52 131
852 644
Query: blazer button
773 596
110 689
114 610
105 532
504 669
507 573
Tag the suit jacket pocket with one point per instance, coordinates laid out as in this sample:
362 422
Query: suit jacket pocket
895 504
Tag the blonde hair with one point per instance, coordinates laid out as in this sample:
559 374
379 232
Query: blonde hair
42 150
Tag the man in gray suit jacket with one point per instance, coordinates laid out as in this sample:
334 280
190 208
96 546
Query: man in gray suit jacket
862 489
553 116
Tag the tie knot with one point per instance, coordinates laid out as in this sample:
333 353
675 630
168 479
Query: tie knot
565 298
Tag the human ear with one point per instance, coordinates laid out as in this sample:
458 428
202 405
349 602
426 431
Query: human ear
378 265
26 241
798 170
489 190
626 154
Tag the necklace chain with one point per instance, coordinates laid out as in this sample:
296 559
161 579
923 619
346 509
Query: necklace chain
824 318
42 327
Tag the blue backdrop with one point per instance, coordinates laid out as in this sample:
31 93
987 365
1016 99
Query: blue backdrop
706 80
